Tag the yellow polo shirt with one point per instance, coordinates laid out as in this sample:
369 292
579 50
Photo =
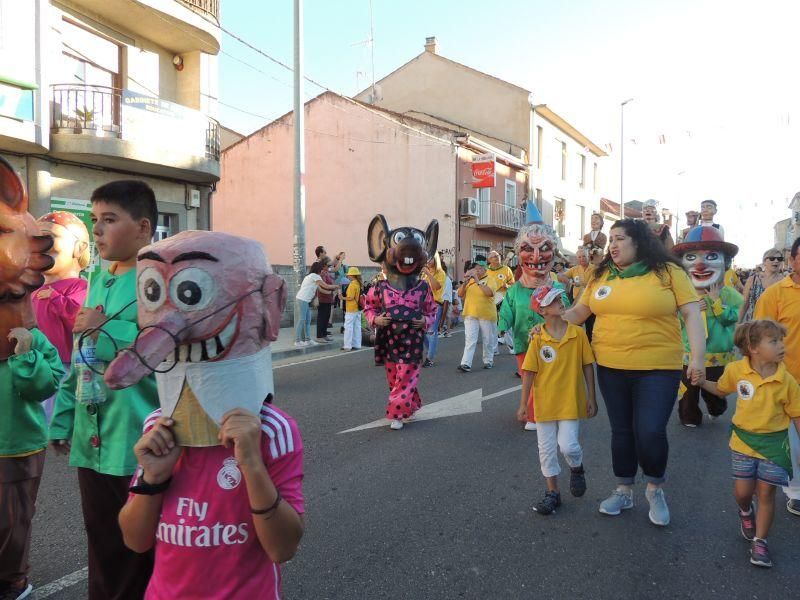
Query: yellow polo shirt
637 325
583 274
781 302
559 389
732 279
762 405
503 277
351 297
479 305
440 276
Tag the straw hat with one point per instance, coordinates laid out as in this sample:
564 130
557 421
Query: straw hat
353 271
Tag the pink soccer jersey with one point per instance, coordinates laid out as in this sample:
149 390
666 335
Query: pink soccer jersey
206 543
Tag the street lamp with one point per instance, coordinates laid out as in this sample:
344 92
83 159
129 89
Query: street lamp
622 155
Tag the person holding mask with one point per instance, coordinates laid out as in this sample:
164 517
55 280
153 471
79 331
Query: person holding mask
760 281
636 293
480 316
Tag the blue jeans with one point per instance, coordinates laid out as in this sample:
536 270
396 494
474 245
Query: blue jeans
639 404
302 328
432 335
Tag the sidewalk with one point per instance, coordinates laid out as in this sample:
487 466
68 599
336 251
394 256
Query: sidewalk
284 346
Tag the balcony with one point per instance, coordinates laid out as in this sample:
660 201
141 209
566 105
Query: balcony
499 218
133 132
207 8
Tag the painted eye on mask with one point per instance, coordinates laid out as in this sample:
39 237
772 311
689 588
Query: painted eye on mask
690 257
712 256
419 238
152 290
192 289
398 237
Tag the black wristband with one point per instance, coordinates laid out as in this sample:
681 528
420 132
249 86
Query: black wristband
265 511
149 489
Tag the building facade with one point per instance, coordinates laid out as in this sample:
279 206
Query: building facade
92 91
788 230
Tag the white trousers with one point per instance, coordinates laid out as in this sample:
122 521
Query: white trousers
352 330
486 330
793 490
558 435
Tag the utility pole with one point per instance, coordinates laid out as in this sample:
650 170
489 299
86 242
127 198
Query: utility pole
299 247
622 155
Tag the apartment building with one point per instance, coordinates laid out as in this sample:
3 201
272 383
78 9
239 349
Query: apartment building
97 90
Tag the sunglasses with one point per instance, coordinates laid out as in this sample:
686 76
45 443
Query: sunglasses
778 258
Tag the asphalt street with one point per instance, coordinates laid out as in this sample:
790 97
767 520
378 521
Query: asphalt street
442 509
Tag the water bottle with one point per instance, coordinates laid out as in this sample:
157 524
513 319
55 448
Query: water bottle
90 388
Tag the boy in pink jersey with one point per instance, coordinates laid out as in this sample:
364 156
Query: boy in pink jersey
218 492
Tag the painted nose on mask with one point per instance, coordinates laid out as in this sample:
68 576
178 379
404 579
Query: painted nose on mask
151 347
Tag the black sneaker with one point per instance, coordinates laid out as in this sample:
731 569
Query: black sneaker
747 524
577 481
548 504
759 553
428 363
464 368
793 506
488 365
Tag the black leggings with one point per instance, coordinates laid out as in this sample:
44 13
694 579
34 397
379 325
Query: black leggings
323 319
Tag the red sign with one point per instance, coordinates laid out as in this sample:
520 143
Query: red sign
483 171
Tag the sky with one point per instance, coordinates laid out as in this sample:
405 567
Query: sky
716 78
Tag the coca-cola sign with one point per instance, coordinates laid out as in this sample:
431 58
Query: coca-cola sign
483 171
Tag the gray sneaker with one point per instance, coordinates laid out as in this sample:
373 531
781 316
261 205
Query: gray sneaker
659 511
617 502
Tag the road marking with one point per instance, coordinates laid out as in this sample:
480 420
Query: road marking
60 584
463 404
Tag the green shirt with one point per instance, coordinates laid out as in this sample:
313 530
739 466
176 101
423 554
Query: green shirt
103 435
25 382
517 316
721 316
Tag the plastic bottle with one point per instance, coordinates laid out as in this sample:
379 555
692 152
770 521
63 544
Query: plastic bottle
90 388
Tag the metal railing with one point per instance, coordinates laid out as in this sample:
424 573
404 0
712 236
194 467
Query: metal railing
212 139
204 7
500 215
86 108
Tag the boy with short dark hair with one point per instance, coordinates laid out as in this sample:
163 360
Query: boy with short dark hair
99 431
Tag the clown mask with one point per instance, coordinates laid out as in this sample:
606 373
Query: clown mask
705 267
536 255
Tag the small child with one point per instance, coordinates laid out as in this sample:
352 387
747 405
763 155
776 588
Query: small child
352 311
768 398
558 365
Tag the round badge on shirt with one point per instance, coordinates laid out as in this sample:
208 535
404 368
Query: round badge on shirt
602 292
547 354
229 476
745 389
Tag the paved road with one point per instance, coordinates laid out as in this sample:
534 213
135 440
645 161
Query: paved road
442 509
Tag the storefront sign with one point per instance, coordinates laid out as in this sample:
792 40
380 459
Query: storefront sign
483 171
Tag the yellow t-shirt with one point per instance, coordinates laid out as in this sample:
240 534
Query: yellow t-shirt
559 389
479 305
351 296
439 276
554 276
637 326
781 302
762 405
582 275
503 277
732 279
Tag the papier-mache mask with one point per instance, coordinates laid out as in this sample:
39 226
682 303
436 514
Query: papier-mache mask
402 251
705 255
209 304
22 257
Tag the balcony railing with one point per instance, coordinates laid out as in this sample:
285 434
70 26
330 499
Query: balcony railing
212 139
86 109
501 216
209 8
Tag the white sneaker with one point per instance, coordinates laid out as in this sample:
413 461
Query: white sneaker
501 340
300 344
530 426
396 424
312 343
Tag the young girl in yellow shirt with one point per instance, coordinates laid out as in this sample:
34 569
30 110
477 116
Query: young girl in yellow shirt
767 404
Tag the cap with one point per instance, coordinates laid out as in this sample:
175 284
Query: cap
544 296
353 271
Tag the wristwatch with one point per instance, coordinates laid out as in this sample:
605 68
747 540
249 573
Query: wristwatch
149 489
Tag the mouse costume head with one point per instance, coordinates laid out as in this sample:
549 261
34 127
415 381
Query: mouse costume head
22 257
209 304
402 251
536 247
705 255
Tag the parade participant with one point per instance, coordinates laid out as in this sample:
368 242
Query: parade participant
767 404
706 257
692 216
661 231
305 295
503 278
401 307
30 370
578 275
732 280
94 424
558 366
536 248
57 302
596 238
760 281
434 275
352 310
218 491
781 303
480 316
708 210
636 292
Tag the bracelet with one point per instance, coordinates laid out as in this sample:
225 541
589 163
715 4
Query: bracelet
149 489
264 511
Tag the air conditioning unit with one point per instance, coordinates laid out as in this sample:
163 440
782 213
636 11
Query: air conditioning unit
469 208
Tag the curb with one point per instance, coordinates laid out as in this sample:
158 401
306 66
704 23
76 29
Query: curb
291 352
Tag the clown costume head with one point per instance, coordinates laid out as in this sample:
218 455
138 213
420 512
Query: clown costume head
706 256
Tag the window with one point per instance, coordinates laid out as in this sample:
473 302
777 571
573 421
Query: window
594 178
563 161
484 205
539 199
165 227
511 193
539 146
581 224
560 216
481 248
582 167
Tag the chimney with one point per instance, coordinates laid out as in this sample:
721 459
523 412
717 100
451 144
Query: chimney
430 44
